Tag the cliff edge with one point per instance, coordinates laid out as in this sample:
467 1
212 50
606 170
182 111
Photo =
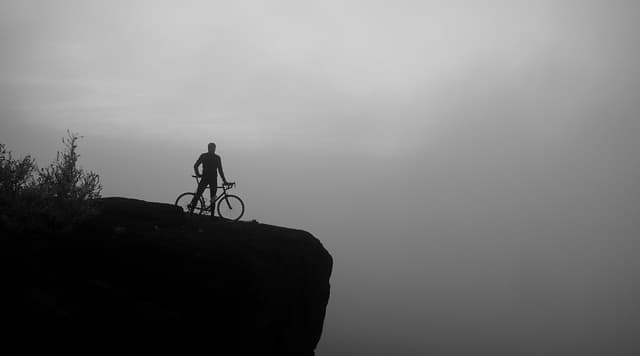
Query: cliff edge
142 278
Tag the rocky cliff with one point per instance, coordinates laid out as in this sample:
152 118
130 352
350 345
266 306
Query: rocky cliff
144 279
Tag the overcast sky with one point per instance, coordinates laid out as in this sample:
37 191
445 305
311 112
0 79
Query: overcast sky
473 166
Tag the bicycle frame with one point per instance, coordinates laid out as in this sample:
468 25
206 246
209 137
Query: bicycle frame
212 204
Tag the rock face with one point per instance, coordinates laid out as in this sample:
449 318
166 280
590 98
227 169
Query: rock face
143 279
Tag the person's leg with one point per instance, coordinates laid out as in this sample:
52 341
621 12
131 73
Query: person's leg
213 189
202 185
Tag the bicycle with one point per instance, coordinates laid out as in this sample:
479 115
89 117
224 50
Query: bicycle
229 206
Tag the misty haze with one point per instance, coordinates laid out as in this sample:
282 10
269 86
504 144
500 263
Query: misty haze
473 167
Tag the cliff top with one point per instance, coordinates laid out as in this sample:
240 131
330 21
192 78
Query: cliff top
143 278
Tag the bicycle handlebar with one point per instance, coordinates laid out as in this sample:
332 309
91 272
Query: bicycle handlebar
229 184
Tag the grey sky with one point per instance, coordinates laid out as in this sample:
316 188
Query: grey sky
468 163
261 71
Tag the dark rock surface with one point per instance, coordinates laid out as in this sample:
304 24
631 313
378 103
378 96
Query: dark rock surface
143 279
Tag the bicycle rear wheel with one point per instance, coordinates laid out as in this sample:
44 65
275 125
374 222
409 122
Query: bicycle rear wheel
185 199
231 207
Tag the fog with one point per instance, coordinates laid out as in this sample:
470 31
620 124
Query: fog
472 166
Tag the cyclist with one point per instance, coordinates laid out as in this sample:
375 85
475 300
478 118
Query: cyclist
211 164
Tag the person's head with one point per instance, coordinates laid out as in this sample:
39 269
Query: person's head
212 147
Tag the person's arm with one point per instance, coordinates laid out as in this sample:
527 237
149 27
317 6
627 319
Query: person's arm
224 179
196 165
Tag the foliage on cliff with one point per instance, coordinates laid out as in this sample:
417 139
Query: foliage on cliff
57 197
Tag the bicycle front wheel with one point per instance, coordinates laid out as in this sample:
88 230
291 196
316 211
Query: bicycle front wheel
231 207
185 199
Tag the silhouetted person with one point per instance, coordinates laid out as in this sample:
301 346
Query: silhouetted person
211 164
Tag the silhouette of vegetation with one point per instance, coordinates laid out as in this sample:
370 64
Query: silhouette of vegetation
54 198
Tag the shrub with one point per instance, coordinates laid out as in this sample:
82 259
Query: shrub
15 175
54 198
